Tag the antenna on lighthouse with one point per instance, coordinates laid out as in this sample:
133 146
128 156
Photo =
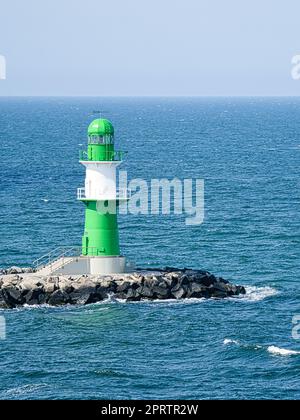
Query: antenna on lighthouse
98 113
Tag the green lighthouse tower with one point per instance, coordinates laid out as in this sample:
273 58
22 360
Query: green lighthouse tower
100 241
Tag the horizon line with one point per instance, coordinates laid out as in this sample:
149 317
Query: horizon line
150 96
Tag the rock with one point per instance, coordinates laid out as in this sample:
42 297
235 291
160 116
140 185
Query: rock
10 280
59 297
196 290
220 279
29 283
184 280
161 291
170 280
178 293
146 292
240 290
3 303
218 294
33 296
27 270
103 292
80 284
15 270
51 284
106 284
17 289
12 296
85 296
123 287
66 284
150 281
207 280
222 287
131 295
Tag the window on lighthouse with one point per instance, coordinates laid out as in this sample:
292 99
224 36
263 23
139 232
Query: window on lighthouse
101 139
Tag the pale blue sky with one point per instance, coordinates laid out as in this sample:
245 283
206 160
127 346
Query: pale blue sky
149 47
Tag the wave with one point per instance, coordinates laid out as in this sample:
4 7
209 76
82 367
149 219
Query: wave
253 294
256 294
276 351
23 390
229 341
282 352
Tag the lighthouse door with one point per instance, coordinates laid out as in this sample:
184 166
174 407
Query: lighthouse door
85 245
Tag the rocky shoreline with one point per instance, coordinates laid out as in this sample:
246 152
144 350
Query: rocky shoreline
21 286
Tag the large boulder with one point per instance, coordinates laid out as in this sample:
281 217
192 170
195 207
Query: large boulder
146 292
132 295
29 283
196 290
3 303
15 270
66 284
59 297
178 293
240 290
84 295
35 296
51 284
171 279
161 291
123 286
12 296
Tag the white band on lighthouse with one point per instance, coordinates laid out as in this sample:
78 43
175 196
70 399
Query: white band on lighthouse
100 181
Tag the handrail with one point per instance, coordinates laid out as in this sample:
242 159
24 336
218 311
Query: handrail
38 262
120 194
112 155
58 253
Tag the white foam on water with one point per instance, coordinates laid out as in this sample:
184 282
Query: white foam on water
277 351
169 302
45 200
282 352
32 307
229 341
24 389
37 307
256 294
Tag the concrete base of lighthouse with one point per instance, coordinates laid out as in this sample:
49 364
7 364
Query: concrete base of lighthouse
94 265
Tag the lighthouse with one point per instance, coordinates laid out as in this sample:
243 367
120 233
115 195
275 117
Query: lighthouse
100 249
101 197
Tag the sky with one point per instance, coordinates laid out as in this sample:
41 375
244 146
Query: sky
149 47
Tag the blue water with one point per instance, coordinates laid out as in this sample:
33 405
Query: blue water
248 152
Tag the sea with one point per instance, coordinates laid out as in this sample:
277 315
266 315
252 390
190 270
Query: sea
247 151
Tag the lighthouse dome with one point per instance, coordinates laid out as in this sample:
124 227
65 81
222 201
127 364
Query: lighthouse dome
101 128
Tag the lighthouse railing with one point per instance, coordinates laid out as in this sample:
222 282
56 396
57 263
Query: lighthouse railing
111 155
120 194
60 256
